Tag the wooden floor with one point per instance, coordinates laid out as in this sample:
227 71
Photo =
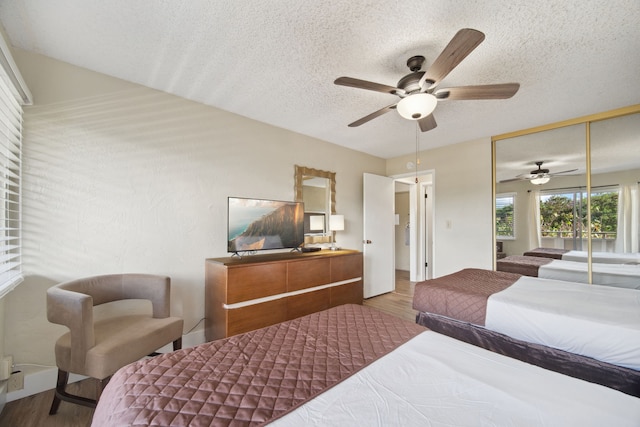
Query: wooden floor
398 302
33 411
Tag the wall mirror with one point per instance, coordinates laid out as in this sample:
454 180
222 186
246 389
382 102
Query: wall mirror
584 196
317 189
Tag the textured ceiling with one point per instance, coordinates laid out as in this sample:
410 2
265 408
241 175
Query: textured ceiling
275 61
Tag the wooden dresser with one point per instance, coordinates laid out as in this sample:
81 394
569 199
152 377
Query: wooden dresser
243 294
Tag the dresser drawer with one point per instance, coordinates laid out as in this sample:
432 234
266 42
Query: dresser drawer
256 281
256 316
346 267
307 303
350 293
307 274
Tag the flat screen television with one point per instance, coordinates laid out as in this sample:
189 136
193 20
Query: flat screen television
258 224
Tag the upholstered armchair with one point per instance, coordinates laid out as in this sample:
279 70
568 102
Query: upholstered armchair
98 349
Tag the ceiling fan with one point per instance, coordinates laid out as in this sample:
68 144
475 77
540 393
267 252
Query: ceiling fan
417 90
539 176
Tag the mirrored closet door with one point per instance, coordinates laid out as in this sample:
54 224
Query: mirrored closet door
570 186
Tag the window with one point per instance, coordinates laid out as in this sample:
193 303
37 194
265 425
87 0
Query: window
13 94
561 214
505 216
564 214
604 214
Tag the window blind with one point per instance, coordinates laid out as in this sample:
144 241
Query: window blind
10 184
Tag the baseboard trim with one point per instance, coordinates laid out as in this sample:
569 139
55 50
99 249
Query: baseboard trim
37 380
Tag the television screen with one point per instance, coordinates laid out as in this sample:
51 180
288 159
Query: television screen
256 224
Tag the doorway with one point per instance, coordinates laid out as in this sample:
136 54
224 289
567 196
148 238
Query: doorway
379 240
414 225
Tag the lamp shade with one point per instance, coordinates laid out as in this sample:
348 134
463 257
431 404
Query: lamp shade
540 179
336 222
417 106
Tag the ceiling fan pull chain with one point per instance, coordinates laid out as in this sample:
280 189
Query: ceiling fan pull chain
417 159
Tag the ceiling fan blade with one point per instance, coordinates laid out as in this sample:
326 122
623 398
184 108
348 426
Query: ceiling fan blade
461 45
373 115
527 175
427 123
497 91
512 180
561 172
363 84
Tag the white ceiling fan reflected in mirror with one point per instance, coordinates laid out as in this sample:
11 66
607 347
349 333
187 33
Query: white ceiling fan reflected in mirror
538 176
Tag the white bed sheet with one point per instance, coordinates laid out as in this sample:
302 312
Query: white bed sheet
600 322
603 257
434 380
618 275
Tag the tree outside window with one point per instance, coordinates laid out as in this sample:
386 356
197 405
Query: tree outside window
565 215
505 216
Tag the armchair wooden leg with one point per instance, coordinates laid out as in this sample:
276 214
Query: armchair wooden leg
61 384
61 393
177 344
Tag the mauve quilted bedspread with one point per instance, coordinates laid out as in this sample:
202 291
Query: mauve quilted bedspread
252 378
461 295
553 253
520 264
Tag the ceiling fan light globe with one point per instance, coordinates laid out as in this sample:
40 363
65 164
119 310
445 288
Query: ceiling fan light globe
417 106
540 179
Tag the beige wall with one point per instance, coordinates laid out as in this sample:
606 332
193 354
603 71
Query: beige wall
121 178
462 201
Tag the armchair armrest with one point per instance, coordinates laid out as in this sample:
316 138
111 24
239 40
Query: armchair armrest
156 289
75 311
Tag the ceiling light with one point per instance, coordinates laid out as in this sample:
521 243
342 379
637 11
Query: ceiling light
417 106
540 179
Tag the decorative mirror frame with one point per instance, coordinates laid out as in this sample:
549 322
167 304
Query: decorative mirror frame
301 171
586 120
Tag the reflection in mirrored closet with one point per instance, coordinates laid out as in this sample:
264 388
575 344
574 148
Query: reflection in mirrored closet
571 186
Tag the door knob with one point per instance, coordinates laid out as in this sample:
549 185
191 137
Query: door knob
366 242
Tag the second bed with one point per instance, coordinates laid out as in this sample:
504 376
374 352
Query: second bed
582 330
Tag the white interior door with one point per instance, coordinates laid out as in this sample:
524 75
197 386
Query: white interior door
379 238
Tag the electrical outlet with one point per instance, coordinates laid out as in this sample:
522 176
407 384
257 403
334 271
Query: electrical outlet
16 381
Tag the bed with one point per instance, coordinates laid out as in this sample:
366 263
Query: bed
522 264
608 274
586 331
351 365
553 253
581 256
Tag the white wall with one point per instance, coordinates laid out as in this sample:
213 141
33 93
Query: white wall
462 203
121 178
